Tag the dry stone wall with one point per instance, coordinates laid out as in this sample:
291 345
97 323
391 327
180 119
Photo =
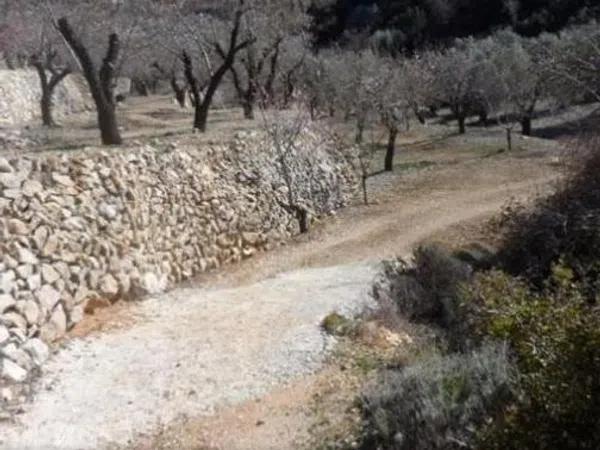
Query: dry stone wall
20 94
80 229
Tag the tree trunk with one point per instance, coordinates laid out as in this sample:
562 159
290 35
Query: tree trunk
526 126
100 82
302 217
483 118
109 128
180 92
509 139
248 110
461 124
46 107
364 189
360 128
391 149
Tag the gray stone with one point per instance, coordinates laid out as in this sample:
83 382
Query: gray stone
109 212
25 256
63 180
109 286
24 271
18 355
7 281
56 327
4 334
48 297
31 187
39 237
49 274
30 310
12 372
6 301
16 226
152 284
5 166
16 319
37 350
34 282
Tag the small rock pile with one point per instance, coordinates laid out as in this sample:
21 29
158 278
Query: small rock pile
102 225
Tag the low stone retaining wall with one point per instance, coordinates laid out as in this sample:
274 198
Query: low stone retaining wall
100 225
20 95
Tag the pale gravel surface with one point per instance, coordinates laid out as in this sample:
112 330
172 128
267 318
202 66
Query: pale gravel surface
194 350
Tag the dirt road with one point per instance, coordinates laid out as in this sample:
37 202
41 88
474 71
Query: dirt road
245 332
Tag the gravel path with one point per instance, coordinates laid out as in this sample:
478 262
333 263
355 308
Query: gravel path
190 353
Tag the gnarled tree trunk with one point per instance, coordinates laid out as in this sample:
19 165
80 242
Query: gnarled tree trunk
391 149
100 82
48 86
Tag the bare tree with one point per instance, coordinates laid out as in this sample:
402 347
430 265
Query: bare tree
100 81
254 73
207 45
284 134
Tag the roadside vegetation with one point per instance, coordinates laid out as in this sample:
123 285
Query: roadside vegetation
517 345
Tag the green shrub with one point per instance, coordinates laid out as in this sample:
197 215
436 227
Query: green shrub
565 225
555 338
426 291
437 404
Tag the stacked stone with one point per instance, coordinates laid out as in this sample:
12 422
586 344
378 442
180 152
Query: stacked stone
98 226
20 94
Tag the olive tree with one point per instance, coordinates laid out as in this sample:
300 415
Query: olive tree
574 62
458 78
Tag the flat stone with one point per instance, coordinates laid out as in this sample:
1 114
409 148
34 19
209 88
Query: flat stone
5 166
55 327
109 286
151 284
49 274
16 226
4 334
7 281
11 180
34 282
25 256
39 237
16 319
37 350
24 271
48 297
11 371
63 180
31 187
18 355
6 301
30 310
109 212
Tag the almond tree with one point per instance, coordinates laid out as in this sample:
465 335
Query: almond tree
254 73
390 94
81 23
208 41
